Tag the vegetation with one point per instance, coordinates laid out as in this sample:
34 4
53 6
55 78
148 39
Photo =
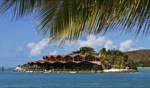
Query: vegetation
138 55
85 50
144 63
109 58
116 59
69 19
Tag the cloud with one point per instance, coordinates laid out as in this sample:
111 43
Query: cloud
132 49
109 45
93 41
128 45
36 48
96 42
125 45
53 53
102 41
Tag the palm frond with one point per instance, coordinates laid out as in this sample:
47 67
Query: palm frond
19 8
68 19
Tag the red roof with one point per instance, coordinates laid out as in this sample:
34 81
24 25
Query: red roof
48 57
60 62
44 57
54 56
61 56
51 62
40 61
72 56
80 56
34 62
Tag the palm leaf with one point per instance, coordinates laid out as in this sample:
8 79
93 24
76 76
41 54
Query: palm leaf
64 20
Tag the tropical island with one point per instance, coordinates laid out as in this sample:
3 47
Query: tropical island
70 20
84 60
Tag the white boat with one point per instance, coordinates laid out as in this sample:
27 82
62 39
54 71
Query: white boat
72 72
47 71
17 69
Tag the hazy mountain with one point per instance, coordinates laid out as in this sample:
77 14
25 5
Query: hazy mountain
138 55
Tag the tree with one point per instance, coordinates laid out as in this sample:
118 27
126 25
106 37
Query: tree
105 60
102 51
116 59
131 64
69 19
85 50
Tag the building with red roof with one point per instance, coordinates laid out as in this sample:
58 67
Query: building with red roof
68 63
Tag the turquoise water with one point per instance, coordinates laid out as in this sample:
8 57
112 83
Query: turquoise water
10 79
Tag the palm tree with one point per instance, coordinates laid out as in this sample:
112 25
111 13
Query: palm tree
69 19
105 58
102 51
116 59
106 61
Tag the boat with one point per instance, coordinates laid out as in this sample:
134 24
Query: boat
47 71
17 69
72 72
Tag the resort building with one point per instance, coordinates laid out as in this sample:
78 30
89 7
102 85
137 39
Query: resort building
67 63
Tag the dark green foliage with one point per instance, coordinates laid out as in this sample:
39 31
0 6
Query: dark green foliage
132 65
116 59
85 50
144 63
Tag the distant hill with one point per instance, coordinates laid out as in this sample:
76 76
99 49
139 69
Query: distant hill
138 55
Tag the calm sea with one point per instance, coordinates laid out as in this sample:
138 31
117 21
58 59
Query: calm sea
140 79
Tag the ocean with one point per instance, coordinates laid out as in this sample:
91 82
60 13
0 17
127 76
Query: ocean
141 79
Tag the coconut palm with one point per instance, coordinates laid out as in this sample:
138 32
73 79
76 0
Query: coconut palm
69 19
105 60
102 51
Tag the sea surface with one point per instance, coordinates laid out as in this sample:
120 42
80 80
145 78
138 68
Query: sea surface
141 79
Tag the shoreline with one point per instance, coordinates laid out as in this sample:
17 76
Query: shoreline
76 72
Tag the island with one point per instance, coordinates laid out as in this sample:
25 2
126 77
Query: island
84 60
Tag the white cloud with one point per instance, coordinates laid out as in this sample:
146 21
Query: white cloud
102 41
125 45
128 45
132 49
53 53
109 45
36 48
96 42
92 41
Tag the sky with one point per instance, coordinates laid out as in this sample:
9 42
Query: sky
20 43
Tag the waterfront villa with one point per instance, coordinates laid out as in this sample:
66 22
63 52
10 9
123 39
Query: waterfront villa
67 63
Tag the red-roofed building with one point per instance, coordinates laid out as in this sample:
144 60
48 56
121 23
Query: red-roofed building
69 62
